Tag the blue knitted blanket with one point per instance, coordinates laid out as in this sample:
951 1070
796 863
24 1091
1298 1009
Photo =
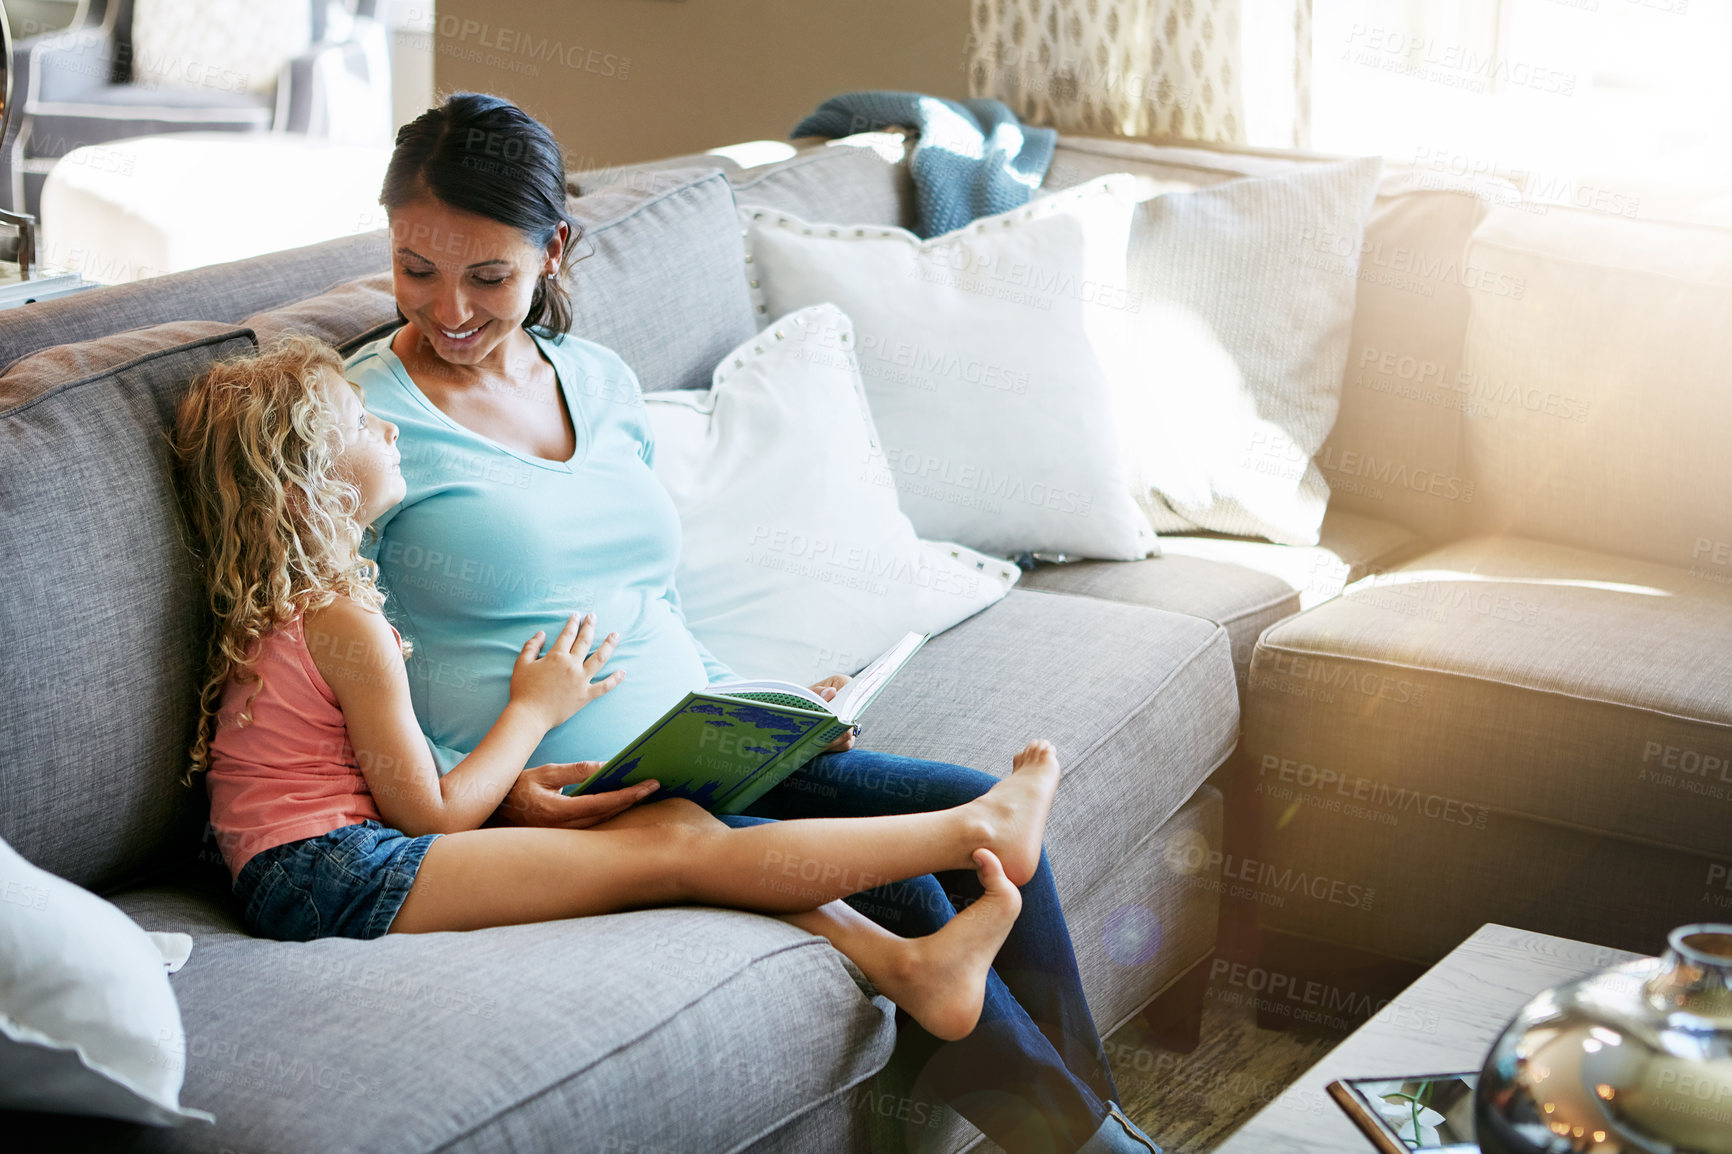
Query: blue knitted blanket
974 157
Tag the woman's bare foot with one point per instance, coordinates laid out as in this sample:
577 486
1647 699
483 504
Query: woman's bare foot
941 979
1013 812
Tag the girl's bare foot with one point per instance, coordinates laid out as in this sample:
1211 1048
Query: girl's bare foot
1013 812
941 979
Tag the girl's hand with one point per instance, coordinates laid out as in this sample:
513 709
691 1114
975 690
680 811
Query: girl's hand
827 689
557 684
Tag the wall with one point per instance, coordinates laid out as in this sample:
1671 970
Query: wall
626 80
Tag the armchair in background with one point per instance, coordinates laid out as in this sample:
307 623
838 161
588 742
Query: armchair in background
128 68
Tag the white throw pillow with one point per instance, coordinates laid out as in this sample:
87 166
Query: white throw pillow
88 1023
987 355
796 562
1246 293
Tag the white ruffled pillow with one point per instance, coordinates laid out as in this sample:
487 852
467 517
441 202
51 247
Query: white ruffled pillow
796 561
88 1023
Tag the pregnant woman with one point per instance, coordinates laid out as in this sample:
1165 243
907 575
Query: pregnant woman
530 496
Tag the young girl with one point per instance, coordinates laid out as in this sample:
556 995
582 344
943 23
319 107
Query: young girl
324 795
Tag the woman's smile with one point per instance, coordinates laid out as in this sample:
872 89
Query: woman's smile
458 340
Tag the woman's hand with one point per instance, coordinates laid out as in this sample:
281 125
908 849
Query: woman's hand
535 798
557 684
827 689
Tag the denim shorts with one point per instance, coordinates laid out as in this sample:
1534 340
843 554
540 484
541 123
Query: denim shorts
348 883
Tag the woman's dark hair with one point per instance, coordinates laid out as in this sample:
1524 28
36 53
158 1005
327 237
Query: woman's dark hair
485 155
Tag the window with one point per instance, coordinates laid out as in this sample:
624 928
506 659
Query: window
1614 105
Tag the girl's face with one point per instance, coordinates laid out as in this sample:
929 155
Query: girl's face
367 457
466 282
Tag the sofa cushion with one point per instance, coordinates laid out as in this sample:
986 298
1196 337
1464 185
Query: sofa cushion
1153 915
860 179
102 621
514 1038
1350 546
659 275
1158 714
224 292
346 316
587 179
1411 875
1242 601
1242 584
1395 450
1534 679
1604 382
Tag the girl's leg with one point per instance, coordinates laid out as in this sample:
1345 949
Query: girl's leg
939 980
480 878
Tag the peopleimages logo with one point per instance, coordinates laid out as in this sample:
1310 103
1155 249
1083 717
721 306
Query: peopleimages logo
826 552
1288 987
968 267
477 34
1475 385
1002 486
1690 762
1395 474
940 363
1340 675
1262 882
1323 780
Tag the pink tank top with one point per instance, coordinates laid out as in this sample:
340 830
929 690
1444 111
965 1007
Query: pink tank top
291 773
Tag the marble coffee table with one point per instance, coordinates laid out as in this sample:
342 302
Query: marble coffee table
1442 1024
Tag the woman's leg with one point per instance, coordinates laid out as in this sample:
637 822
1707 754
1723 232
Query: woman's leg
1037 1040
476 878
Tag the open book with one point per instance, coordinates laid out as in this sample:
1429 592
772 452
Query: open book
726 745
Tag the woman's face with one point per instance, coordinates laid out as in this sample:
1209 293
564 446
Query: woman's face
463 280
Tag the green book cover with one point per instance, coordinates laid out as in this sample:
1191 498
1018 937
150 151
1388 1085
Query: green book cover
726 745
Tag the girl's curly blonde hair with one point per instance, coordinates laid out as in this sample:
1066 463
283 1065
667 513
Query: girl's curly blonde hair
274 527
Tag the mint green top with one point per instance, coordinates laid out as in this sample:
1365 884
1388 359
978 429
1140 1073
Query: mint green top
491 544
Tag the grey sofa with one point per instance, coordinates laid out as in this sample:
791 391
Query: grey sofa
671 1030
1381 704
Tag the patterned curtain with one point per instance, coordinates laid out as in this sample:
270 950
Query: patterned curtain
1142 68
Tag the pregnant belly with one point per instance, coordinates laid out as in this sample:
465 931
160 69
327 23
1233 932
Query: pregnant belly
460 676
660 668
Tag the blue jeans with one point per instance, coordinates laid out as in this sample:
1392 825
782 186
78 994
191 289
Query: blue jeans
1032 1076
